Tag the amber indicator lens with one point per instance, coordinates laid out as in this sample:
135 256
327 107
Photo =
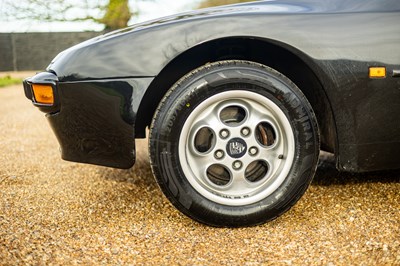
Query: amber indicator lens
43 93
377 72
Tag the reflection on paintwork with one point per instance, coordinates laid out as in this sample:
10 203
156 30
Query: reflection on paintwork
337 39
143 50
96 121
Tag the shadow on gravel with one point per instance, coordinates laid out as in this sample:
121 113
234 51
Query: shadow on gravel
140 174
328 175
137 189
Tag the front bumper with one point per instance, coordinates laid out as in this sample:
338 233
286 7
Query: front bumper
93 120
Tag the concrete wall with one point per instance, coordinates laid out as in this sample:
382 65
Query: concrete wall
34 51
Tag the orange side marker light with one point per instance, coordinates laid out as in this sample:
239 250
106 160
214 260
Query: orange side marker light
377 72
43 93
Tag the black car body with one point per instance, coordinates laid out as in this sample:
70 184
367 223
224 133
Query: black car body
107 89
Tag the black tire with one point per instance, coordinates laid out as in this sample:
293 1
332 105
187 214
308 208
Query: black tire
234 143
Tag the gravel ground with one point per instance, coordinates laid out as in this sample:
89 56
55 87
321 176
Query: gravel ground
57 212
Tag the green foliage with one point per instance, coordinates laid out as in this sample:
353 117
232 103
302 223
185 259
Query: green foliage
8 80
117 15
113 14
210 3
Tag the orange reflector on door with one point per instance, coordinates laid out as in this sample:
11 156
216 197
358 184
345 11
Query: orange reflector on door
377 72
43 93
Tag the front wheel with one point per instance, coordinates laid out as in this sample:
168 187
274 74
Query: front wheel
234 143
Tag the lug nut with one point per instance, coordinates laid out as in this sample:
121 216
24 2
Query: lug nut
219 154
237 165
253 151
245 131
224 133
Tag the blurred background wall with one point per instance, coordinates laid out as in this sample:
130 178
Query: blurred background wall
34 51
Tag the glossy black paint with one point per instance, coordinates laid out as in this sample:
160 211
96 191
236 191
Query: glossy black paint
94 120
95 123
338 40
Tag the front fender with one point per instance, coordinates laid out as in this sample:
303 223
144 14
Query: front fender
145 49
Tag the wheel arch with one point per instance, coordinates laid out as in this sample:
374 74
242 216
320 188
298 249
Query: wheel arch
284 58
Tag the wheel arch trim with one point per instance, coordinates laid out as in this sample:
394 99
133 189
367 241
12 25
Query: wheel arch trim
204 52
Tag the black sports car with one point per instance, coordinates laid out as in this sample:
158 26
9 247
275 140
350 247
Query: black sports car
238 100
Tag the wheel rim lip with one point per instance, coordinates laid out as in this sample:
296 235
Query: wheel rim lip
261 189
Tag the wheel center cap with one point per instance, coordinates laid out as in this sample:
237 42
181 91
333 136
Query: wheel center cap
236 147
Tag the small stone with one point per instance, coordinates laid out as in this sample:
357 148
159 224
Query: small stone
115 251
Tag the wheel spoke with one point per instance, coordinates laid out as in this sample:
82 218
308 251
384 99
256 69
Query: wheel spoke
239 183
211 122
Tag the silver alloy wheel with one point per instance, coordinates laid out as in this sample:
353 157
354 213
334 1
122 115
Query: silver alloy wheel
236 148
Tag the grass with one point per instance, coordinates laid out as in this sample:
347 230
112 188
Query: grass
8 80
